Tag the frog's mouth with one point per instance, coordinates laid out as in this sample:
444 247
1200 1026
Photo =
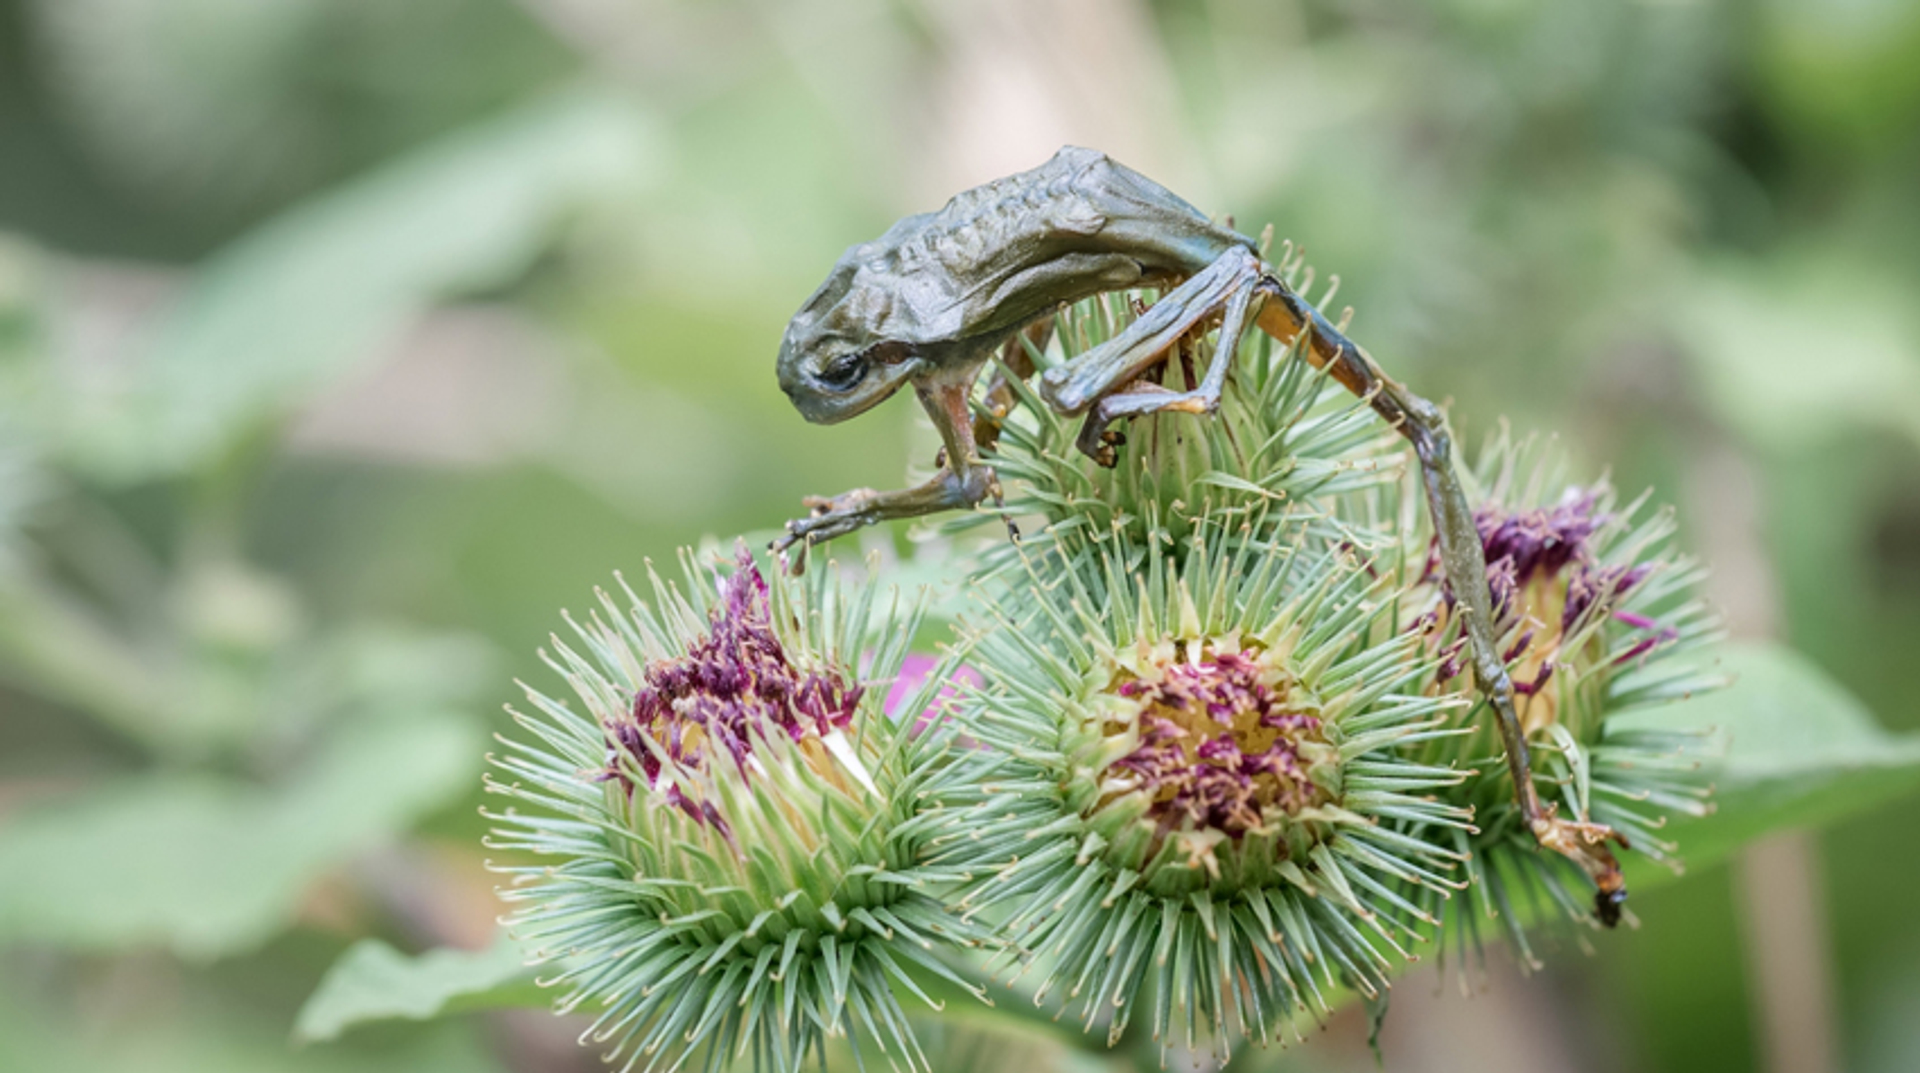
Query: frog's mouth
872 376
878 387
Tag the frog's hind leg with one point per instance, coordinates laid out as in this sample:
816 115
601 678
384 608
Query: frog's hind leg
1284 315
1097 382
999 399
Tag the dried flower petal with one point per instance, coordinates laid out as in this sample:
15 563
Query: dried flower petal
732 685
1222 744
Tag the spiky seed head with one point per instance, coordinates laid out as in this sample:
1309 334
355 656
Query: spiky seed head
722 852
1188 788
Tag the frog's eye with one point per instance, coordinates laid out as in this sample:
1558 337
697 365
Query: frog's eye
844 372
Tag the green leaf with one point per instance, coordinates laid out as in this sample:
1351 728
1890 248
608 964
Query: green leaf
1793 360
374 982
210 866
312 294
179 1030
1799 751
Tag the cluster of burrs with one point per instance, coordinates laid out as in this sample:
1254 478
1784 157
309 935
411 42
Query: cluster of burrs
1201 755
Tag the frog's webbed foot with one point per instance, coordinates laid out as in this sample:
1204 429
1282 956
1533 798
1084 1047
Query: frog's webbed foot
851 511
1099 442
1585 844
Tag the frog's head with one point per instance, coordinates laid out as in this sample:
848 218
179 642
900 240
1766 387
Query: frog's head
838 359
835 377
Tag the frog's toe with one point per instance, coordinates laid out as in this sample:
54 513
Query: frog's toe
790 552
1104 451
1097 441
823 525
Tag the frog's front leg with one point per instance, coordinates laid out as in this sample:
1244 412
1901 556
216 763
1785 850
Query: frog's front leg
961 483
849 511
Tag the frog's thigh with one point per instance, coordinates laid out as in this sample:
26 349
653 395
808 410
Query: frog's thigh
1072 387
1037 288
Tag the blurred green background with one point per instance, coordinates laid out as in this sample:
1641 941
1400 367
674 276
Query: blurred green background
343 342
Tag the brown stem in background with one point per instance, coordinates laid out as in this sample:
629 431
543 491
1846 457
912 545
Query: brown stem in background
1777 880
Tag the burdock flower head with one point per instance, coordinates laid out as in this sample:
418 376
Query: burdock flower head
1552 594
1598 616
726 861
1189 789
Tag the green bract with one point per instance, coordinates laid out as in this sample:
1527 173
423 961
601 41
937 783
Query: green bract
726 835
1191 793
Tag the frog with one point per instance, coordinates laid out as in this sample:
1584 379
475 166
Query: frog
936 299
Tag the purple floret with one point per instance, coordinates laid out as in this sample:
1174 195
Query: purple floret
1194 769
731 684
1548 544
1544 541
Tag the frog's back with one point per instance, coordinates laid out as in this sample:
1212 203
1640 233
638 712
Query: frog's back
1062 194
1076 195
947 274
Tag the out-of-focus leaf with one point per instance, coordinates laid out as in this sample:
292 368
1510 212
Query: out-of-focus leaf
22 488
1890 1012
22 485
374 982
166 89
209 866
50 643
973 1038
20 285
1799 751
1790 362
221 103
966 1035
1839 74
311 294
167 1031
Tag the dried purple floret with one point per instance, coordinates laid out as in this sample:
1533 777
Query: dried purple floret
734 684
1220 743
